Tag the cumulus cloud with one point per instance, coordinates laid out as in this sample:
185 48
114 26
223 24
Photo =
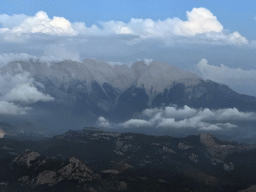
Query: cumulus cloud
7 21
227 75
7 108
136 123
19 88
138 38
200 21
102 122
41 23
27 93
186 118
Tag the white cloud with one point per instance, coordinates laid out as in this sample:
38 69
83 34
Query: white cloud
180 113
11 21
146 61
7 108
26 93
189 118
224 74
237 38
201 26
200 20
19 87
102 122
136 123
40 23
7 58
9 81
10 57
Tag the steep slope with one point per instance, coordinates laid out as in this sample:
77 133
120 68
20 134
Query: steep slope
94 88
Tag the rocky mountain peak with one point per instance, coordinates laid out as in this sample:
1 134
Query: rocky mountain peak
207 139
29 158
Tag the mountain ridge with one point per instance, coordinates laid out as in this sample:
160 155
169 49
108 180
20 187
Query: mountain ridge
90 89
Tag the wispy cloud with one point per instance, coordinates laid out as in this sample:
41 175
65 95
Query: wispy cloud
234 77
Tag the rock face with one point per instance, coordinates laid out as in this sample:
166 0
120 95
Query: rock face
250 189
117 92
47 177
29 158
77 170
39 173
216 149
184 146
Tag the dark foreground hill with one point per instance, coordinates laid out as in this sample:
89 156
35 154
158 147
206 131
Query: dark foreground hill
94 160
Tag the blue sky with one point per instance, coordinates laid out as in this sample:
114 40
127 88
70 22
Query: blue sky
233 14
215 39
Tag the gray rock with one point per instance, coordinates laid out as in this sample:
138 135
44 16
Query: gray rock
77 170
47 177
28 158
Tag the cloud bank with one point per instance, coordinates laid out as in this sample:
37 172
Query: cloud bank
186 118
18 90
200 24
8 108
40 23
57 37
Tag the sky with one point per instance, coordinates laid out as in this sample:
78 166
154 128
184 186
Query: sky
215 39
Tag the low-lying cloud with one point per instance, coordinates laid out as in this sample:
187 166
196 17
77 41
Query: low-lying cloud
6 58
186 118
7 108
19 89
27 93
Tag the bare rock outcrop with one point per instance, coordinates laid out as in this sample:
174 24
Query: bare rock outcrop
250 189
77 170
166 149
47 177
216 149
184 146
29 158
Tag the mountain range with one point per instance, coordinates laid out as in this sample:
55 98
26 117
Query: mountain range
80 92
